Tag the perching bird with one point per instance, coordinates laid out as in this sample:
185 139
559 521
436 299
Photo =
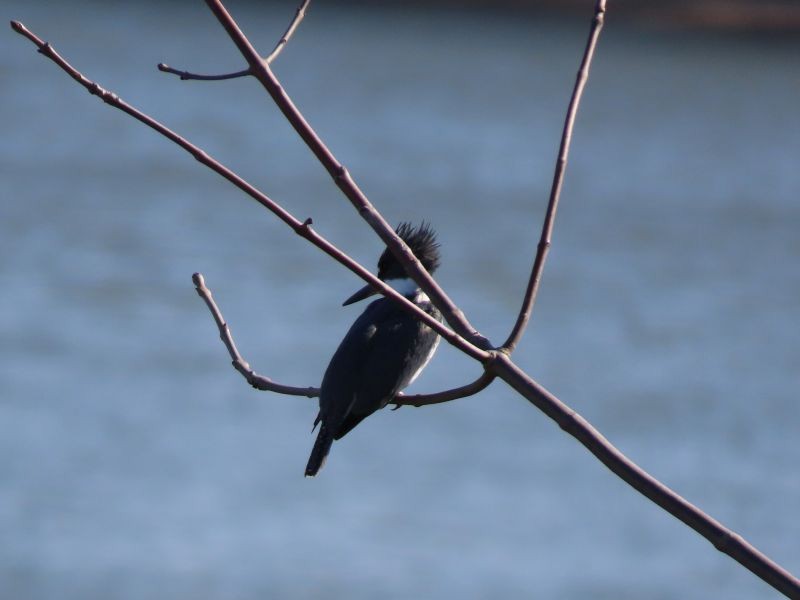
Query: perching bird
384 351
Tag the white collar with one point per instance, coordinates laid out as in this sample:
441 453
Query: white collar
405 286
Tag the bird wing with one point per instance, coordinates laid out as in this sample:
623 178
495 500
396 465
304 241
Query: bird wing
341 380
398 346
375 360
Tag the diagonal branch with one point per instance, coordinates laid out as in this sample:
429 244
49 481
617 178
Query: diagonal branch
454 316
558 180
268 385
287 35
723 539
303 229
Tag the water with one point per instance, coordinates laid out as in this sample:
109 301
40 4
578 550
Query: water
138 464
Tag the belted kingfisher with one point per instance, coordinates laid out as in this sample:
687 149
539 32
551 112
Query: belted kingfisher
384 351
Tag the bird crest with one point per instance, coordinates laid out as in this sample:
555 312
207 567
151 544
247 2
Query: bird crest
422 242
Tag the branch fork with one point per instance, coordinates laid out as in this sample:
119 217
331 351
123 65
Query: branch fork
496 361
287 35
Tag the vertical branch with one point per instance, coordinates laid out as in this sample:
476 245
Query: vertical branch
558 180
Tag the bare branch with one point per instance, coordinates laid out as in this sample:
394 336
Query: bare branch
303 229
257 381
187 75
266 384
496 363
722 538
454 316
558 180
287 35
463 391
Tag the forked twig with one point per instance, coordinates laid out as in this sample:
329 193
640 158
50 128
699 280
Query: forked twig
558 179
261 71
500 363
259 68
266 384
496 363
287 35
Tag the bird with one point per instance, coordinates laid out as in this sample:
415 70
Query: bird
384 351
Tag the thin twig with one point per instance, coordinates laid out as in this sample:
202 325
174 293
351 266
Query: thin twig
457 393
287 35
189 76
558 179
257 381
301 228
454 316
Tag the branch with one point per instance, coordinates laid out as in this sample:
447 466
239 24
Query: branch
303 229
463 391
558 180
187 75
266 384
499 362
723 539
454 316
496 363
257 381
287 35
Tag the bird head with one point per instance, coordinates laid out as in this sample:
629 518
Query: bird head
422 242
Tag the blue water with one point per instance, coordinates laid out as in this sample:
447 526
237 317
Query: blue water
138 464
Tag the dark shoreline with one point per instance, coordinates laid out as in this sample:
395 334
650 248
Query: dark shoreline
723 15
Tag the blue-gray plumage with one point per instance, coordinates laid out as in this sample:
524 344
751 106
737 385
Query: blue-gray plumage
384 351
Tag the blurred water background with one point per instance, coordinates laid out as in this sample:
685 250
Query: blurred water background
137 464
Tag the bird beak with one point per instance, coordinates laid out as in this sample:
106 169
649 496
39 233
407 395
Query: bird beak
364 292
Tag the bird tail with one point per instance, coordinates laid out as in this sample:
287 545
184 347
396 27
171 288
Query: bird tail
320 451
